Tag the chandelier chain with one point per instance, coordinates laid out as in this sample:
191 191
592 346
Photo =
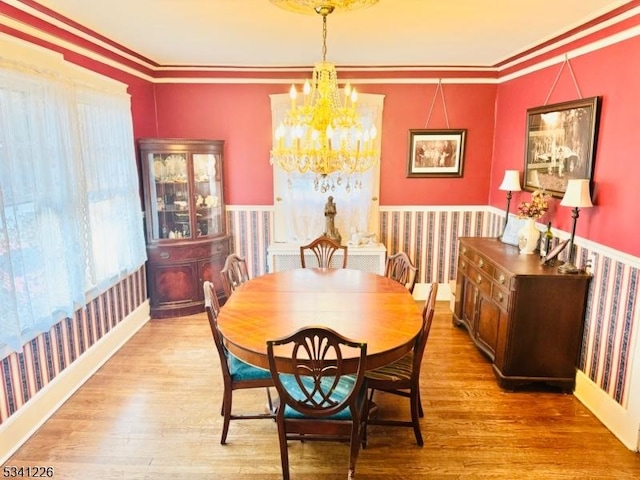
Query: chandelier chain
324 37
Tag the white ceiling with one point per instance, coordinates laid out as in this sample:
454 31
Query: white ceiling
389 33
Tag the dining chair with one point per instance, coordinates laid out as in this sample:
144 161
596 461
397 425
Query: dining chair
402 377
236 374
323 248
400 268
234 273
319 398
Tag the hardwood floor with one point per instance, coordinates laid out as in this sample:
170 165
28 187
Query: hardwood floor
153 412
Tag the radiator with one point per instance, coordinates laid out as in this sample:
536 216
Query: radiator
368 258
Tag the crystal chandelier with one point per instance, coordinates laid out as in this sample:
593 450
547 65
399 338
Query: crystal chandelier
324 135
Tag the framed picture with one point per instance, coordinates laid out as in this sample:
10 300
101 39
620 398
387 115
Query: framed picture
510 234
560 144
435 153
550 258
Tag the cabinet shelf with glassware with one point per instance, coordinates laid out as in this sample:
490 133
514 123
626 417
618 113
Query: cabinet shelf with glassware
187 241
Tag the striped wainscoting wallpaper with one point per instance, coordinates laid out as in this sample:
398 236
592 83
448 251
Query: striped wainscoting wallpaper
251 232
25 373
430 237
606 354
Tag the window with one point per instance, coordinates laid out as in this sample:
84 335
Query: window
68 183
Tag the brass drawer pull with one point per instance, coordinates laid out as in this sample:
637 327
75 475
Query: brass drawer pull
500 297
164 255
463 266
479 279
481 263
501 278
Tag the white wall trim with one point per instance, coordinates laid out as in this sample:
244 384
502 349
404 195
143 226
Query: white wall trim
433 208
32 415
214 79
570 39
250 208
622 423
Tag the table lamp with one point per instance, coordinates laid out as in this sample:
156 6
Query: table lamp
510 183
577 196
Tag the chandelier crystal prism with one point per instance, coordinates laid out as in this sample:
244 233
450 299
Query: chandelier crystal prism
324 134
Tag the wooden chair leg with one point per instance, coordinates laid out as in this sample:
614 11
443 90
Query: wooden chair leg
355 447
368 413
284 452
415 417
226 412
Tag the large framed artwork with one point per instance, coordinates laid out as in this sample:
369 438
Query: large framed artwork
435 153
560 144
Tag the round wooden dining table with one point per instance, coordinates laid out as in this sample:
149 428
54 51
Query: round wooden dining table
362 306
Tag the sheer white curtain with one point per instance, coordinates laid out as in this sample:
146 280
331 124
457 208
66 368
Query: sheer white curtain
115 239
299 201
48 207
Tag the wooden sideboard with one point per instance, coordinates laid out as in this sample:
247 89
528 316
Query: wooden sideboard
526 317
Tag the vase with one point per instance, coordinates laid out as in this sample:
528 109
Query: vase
528 237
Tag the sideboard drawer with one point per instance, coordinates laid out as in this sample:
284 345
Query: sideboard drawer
500 297
480 279
502 278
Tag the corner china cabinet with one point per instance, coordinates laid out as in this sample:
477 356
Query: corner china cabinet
187 241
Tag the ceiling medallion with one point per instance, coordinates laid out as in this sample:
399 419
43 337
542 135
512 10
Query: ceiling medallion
308 7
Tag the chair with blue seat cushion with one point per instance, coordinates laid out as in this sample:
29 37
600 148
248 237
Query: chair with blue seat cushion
322 396
236 374
402 377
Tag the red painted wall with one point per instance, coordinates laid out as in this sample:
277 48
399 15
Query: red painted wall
613 73
241 115
468 106
238 114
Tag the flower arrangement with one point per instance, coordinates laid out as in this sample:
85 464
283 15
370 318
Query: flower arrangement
536 208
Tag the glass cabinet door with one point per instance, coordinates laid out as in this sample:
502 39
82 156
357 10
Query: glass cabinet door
170 189
183 189
207 194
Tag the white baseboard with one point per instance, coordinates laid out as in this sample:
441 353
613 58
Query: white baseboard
24 423
608 411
